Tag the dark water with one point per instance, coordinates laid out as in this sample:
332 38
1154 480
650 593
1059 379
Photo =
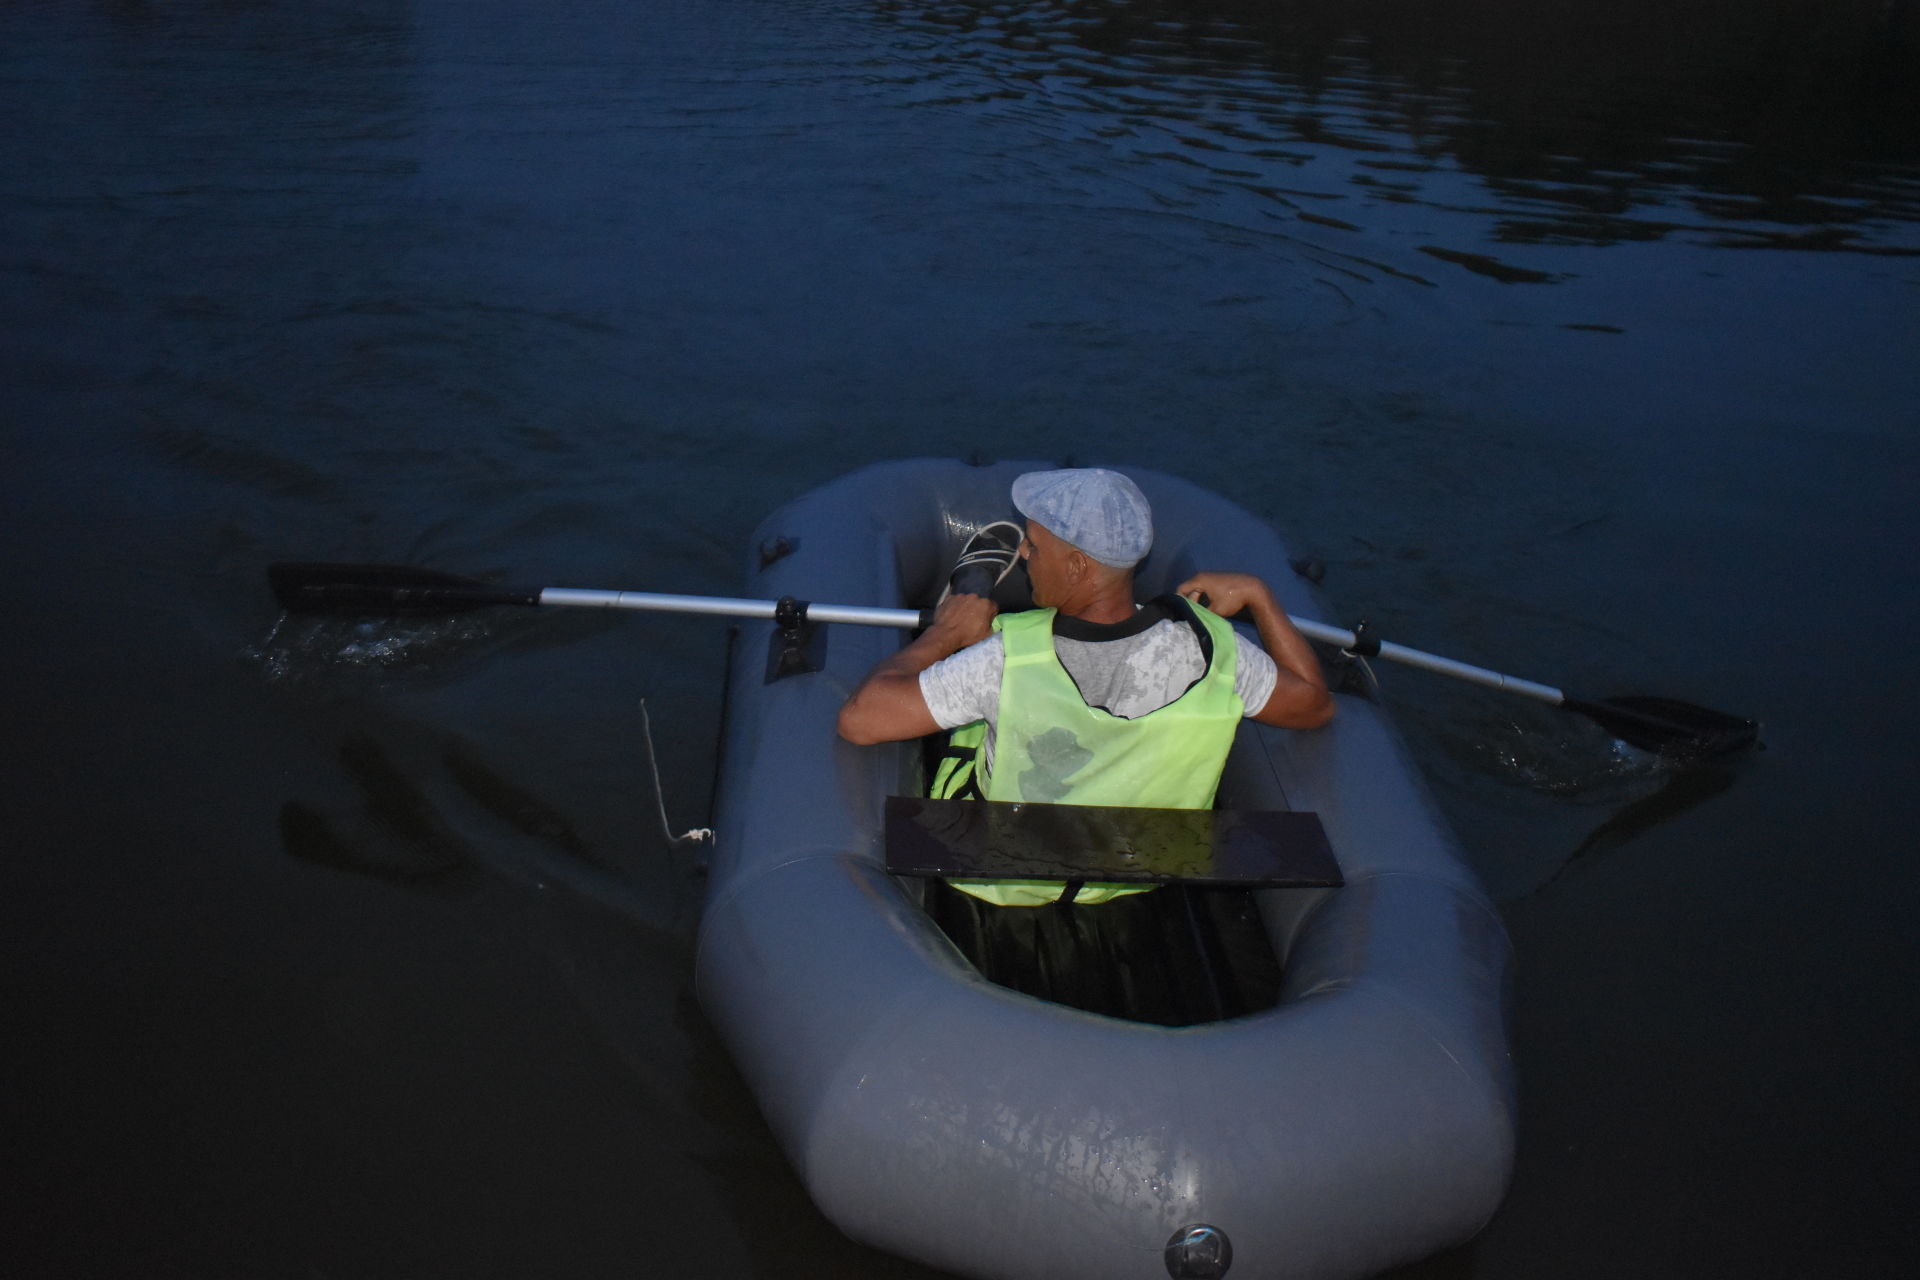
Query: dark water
1580 340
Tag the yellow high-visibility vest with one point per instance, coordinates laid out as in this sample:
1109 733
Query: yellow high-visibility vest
1051 746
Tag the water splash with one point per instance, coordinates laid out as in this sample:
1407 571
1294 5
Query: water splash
1549 753
302 651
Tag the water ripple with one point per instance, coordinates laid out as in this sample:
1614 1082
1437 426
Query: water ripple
1388 117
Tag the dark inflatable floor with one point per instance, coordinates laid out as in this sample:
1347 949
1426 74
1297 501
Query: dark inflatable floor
1176 957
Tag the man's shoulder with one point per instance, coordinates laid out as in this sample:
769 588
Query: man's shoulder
976 658
1250 650
1024 624
965 686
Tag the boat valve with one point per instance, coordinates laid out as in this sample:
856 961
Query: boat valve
1199 1252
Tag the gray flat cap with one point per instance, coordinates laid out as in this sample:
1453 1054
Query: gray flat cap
1101 512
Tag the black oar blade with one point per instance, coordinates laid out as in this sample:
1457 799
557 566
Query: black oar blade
1669 726
383 589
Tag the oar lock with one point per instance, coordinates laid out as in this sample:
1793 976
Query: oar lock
797 645
1365 643
790 613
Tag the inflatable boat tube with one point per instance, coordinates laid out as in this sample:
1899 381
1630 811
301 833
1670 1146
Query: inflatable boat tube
1364 1121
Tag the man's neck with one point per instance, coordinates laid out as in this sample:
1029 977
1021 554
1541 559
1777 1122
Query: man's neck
1105 603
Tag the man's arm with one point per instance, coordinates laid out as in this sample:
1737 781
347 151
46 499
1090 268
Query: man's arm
1300 699
888 706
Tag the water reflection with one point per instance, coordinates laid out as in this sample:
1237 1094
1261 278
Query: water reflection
397 836
1682 791
436 816
1581 124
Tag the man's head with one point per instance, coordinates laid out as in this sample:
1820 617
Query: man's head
1082 523
1096 511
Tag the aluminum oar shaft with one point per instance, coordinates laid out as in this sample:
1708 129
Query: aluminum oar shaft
726 606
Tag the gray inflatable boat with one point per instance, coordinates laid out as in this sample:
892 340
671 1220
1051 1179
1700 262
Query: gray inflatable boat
1363 1119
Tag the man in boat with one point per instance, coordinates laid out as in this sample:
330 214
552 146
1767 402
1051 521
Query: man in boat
1089 698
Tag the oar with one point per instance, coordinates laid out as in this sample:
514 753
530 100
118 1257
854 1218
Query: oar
393 588
1666 725
1669 726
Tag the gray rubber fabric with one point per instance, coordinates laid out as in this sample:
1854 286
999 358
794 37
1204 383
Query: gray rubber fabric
1364 1122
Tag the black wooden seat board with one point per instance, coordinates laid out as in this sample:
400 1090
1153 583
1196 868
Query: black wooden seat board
991 840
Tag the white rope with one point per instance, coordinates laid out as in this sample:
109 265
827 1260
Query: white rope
693 835
986 555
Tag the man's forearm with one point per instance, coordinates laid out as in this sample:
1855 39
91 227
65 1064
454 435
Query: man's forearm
888 706
925 650
1283 642
1300 699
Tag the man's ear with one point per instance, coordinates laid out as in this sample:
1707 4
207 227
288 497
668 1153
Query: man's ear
1078 565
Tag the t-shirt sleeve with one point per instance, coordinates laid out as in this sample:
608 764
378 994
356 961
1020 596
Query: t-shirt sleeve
1254 675
966 686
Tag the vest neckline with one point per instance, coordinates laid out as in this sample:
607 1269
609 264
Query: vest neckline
1144 619
1167 608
